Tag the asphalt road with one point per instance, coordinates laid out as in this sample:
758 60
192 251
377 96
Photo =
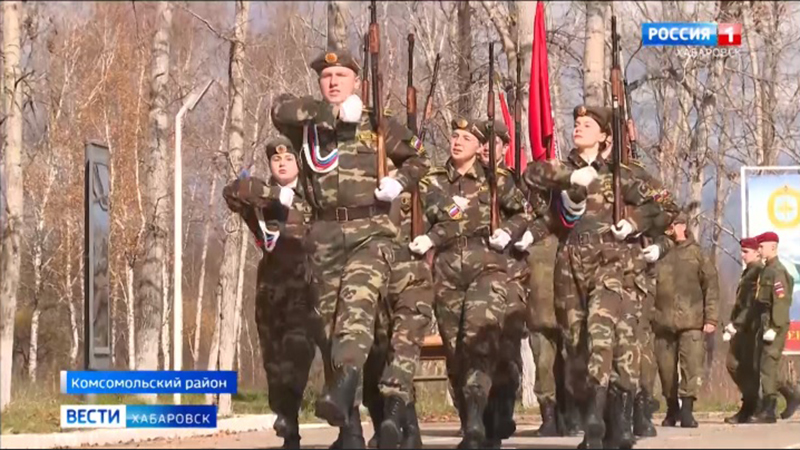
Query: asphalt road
712 433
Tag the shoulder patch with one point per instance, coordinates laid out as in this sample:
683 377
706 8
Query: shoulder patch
437 170
503 171
635 163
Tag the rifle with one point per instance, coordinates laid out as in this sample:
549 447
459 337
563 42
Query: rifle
630 138
616 122
411 118
365 78
426 116
518 124
377 104
491 173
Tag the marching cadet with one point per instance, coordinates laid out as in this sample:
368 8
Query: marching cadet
687 298
742 332
470 276
352 242
284 301
773 300
597 260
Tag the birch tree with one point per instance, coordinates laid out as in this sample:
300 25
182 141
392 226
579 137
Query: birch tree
594 54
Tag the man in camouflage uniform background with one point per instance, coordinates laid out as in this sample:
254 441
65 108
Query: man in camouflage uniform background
284 298
742 332
470 278
352 243
687 298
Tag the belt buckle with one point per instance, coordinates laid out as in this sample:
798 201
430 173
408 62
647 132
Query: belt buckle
339 217
461 242
583 238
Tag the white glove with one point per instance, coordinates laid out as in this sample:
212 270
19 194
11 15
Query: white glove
524 242
272 240
389 189
770 335
350 109
729 328
583 177
622 230
461 202
651 253
286 196
574 208
500 239
421 244
726 336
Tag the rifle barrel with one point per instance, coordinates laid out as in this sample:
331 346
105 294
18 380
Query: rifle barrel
494 219
411 91
426 115
377 104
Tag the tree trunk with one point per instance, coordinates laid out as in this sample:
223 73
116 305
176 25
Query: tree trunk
68 297
213 353
149 279
527 14
528 375
12 172
198 317
749 29
165 311
130 316
232 242
337 26
464 52
594 58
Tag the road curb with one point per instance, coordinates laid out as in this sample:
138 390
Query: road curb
98 437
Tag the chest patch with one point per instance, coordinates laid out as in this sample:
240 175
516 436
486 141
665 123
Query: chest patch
779 290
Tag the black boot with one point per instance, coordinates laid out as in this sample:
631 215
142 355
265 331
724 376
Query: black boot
746 411
376 416
280 425
490 416
573 423
335 405
792 396
625 405
595 428
673 413
390 432
613 419
412 438
687 419
548 411
767 412
505 426
642 416
474 430
291 437
352 436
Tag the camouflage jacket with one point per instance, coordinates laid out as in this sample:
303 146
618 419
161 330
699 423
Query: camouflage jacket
643 210
401 213
449 221
687 289
775 288
664 198
339 160
291 222
742 312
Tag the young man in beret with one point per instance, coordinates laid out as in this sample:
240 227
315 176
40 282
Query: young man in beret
773 300
742 332
352 241
284 299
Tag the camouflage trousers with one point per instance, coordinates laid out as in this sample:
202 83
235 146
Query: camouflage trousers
284 305
400 329
571 314
350 263
598 266
545 349
644 286
541 321
508 373
742 362
685 349
471 286
648 369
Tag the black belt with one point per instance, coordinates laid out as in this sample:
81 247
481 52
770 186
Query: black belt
344 214
461 242
592 238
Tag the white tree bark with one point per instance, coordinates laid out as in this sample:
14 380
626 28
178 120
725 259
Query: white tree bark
69 283
198 316
130 316
165 311
232 242
337 25
594 54
12 174
149 278
527 12
749 29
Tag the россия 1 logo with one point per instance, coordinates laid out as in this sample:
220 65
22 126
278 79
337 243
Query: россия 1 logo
703 34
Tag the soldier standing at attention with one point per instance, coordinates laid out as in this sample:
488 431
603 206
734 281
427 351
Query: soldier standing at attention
687 297
284 301
773 300
597 261
742 332
352 243
470 277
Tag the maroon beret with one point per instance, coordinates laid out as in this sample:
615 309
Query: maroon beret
769 236
751 243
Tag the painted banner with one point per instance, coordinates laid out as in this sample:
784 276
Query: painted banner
771 202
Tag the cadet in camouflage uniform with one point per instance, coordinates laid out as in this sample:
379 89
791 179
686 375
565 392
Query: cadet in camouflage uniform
773 300
742 332
687 298
598 261
284 301
352 243
470 278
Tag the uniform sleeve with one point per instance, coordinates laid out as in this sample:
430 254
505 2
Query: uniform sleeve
664 243
709 282
230 194
644 211
406 152
443 227
260 194
765 286
547 175
512 202
289 114
782 300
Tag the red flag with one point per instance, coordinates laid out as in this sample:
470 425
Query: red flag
540 118
509 121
